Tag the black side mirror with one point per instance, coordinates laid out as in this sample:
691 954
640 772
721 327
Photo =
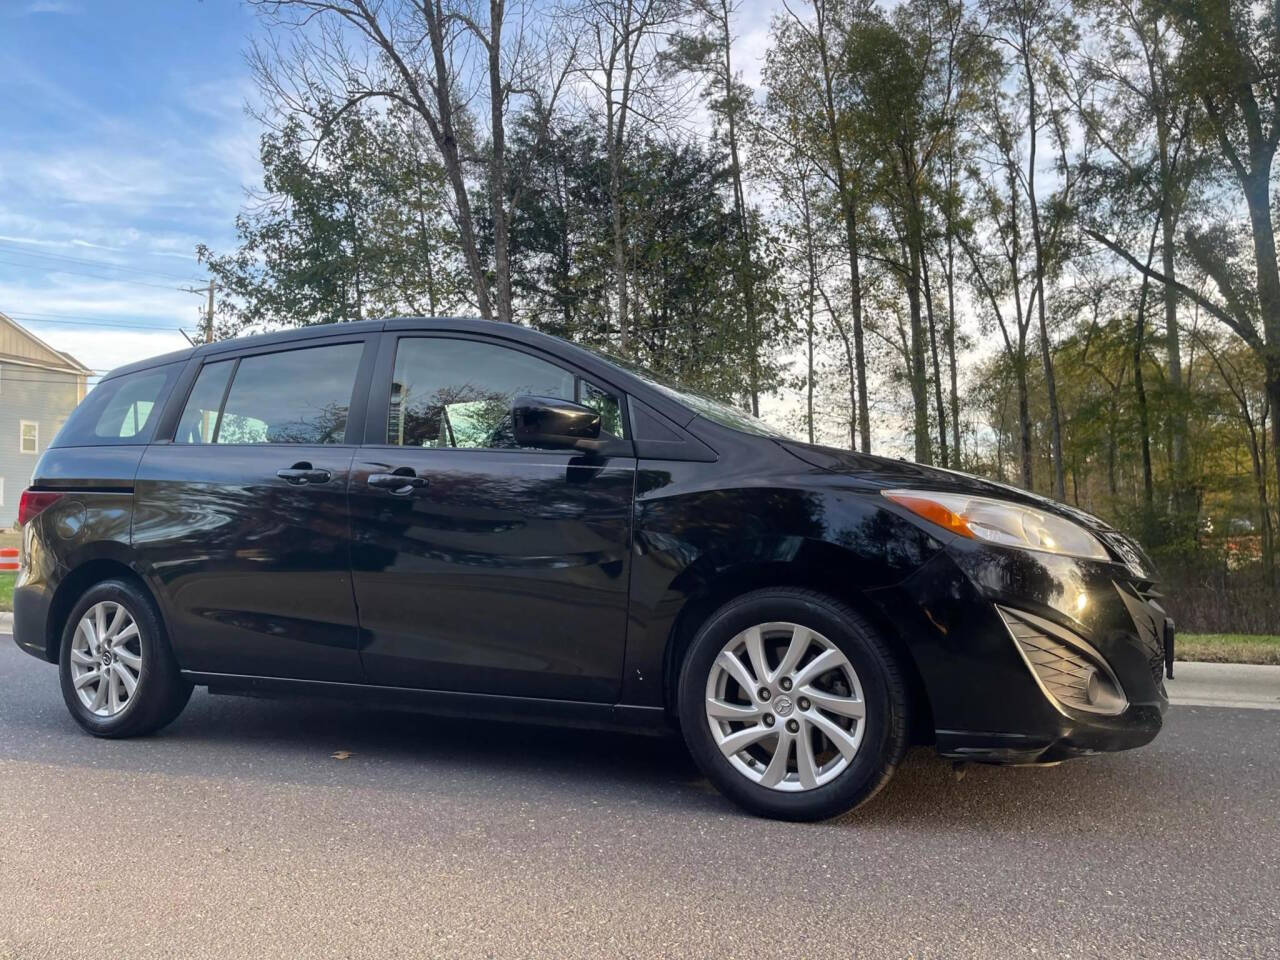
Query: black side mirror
559 424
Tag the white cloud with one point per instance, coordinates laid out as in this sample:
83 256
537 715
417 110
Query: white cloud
53 6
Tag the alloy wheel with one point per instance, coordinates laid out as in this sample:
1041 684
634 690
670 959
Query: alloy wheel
785 706
106 659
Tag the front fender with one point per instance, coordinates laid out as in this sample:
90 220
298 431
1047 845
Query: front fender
697 546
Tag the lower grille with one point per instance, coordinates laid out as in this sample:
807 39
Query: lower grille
1065 672
1067 675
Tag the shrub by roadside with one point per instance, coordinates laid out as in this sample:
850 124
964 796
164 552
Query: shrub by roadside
1229 648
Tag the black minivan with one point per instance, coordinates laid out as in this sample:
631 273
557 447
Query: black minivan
470 517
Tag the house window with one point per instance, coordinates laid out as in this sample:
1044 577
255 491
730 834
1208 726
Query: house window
28 436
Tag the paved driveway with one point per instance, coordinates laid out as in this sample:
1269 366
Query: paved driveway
235 833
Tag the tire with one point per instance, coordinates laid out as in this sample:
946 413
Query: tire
872 684
159 693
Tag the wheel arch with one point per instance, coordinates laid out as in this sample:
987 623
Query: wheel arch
110 565
829 579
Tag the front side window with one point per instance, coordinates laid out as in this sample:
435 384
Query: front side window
29 436
120 410
296 396
458 393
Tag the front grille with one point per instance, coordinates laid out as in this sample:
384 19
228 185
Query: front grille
1063 671
1128 552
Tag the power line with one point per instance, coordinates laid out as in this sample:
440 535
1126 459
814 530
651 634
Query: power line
105 324
63 316
24 252
96 276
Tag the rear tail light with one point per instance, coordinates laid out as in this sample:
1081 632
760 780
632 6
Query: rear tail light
35 502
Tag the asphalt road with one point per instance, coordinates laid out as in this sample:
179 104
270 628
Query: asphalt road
235 833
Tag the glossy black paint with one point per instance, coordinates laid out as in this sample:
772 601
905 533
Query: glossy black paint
564 583
507 574
551 423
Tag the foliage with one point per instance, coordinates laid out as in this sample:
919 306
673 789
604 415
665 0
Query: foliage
1032 240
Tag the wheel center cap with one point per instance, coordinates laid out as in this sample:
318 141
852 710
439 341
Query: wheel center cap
782 705
106 659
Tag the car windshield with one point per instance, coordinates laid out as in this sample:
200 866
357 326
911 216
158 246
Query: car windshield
715 410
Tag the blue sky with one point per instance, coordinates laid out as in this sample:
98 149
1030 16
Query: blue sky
123 144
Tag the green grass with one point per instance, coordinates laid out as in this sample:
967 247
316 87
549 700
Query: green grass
10 538
1228 648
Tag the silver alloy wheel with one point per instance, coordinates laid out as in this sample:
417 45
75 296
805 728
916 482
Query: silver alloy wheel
785 706
106 659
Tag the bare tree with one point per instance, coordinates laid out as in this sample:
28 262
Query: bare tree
623 81
324 58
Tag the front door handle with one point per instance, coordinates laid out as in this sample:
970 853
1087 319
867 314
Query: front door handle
302 473
400 482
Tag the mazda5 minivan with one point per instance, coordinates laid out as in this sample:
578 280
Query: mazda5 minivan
469 517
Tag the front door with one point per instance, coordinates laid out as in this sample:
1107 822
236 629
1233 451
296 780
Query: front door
243 518
492 568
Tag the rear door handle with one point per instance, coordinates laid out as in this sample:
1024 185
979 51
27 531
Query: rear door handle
399 483
303 473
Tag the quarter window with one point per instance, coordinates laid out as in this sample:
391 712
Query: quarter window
120 410
296 396
458 393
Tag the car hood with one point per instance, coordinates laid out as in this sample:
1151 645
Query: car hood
884 473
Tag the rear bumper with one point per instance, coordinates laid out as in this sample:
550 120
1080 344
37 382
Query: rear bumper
987 703
31 606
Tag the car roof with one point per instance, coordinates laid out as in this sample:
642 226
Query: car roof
590 362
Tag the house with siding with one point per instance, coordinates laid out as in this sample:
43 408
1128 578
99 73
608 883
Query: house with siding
39 387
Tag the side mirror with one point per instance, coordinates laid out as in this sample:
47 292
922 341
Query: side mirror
559 424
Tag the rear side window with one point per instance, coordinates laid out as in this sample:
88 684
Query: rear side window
119 410
296 396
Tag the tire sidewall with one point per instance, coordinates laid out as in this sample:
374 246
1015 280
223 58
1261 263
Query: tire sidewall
149 638
866 772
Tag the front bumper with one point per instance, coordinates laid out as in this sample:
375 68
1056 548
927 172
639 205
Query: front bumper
986 701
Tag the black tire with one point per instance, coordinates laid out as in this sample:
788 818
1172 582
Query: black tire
884 690
161 692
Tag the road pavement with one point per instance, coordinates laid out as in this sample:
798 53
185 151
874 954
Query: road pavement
236 833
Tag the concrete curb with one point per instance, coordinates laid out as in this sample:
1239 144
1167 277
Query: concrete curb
1251 686
6 622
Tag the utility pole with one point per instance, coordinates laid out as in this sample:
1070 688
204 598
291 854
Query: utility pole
208 313
208 317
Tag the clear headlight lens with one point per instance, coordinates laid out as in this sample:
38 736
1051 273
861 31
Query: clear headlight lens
1000 521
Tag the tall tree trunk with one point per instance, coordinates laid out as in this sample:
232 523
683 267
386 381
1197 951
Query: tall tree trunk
811 265
1140 396
1258 196
497 163
919 387
1273 399
951 347
933 352
849 208
619 245
441 124
1046 356
1178 415
1024 422
746 274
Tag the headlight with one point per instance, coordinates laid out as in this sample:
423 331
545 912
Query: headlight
1000 521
